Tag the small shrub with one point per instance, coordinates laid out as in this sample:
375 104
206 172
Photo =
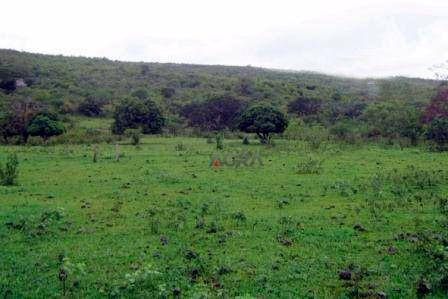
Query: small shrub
437 132
310 165
134 134
246 140
180 147
70 275
219 144
443 206
9 171
35 141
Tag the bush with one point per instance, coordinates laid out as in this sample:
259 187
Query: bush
133 113
36 141
219 144
304 106
45 125
393 120
344 131
310 165
180 147
91 106
9 172
437 131
134 134
215 114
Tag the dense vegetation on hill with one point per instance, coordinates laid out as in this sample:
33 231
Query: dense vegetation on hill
210 98
60 79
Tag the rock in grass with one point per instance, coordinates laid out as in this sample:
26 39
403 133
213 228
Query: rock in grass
176 292
164 240
392 250
190 254
285 241
359 227
423 287
345 275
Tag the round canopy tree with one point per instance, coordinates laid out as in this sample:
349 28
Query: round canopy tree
133 113
45 125
263 120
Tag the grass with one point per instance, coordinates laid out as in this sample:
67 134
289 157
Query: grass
162 222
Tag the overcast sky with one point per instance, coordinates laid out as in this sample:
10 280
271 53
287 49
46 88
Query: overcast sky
350 37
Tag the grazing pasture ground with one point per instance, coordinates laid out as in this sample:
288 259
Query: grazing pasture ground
337 221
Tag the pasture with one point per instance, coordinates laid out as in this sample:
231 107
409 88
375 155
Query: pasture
334 221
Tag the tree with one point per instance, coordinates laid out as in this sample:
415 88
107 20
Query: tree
133 113
15 117
91 106
304 106
168 92
394 120
438 107
45 125
217 113
244 87
437 131
338 110
5 128
263 120
141 94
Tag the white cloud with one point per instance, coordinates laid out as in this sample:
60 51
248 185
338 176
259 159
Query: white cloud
358 38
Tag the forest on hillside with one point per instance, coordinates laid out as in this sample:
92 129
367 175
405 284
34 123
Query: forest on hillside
207 98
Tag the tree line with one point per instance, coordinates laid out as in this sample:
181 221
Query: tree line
344 118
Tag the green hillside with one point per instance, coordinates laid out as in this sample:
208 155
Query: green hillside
59 79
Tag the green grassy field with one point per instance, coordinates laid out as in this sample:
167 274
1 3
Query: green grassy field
162 222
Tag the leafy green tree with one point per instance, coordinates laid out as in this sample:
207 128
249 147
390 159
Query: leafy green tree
91 106
141 94
437 131
263 120
15 117
133 113
394 120
45 125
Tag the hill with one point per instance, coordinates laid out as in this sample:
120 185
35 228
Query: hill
63 80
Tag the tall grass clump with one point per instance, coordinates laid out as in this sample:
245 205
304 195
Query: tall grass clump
9 171
309 165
